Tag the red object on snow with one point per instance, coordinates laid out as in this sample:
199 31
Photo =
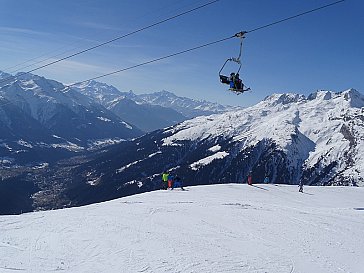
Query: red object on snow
250 180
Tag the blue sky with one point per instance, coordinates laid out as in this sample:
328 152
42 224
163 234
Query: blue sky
322 50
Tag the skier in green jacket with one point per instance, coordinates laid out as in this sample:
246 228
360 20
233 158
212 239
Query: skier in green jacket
165 180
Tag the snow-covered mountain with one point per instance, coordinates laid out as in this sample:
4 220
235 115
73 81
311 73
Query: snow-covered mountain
3 76
188 107
319 139
40 115
129 107
155 111
218 228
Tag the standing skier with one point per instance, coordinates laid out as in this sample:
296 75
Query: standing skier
300 185
170 181
250 178
165 180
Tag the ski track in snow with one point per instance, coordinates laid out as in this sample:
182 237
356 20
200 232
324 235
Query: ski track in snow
217 228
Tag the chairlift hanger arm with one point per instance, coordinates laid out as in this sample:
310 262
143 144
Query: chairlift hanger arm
230 60
241 36
236 59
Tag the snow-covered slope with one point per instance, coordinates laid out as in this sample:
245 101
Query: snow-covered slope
219 228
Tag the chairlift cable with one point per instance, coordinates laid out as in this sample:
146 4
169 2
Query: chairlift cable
154 60
295 16
177 53
47 56
117 38
125 35
239 35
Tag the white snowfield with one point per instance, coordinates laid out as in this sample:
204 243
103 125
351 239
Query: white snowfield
217 228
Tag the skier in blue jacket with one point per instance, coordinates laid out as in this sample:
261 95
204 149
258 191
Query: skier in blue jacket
177 183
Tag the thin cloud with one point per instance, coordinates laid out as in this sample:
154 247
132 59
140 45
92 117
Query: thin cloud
69 65
22 30
97 26
10 48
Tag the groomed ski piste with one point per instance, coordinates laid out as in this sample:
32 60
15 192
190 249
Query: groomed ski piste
215 228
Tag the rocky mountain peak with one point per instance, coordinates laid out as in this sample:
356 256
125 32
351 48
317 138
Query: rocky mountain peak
355 98
285 98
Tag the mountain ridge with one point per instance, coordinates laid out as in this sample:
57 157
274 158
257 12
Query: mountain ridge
54 121
161 109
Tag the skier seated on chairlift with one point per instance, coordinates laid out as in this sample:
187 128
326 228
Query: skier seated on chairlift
236 84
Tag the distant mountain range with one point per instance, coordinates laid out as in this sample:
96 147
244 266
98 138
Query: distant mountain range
42 120
317 140
149 111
